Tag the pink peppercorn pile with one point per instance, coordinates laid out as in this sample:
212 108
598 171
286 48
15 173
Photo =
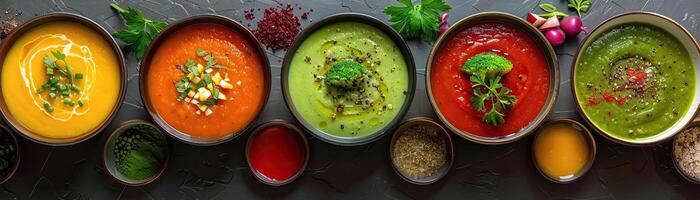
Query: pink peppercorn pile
278 28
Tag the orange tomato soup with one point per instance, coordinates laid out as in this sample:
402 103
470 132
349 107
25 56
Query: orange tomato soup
244 68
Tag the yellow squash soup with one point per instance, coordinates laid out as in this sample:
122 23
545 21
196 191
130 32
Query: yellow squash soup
61 80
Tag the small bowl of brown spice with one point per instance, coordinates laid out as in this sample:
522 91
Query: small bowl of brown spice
421 151
686 152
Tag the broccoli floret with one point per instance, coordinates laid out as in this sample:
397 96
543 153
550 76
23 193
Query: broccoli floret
488 63
345 74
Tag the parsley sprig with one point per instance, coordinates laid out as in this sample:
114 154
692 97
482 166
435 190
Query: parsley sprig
580 5
417 20
140 31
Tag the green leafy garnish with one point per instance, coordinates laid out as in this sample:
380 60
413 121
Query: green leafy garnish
551 11
140 31
419 20
580 5
200 84
486 70
60 79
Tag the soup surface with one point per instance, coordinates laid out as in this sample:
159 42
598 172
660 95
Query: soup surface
528 80
91 96
356 112
634 81
243 68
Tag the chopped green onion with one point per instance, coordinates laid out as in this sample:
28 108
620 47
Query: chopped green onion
39 90
52 95
48 107
65 93
80 103
79 76
68 101
75 88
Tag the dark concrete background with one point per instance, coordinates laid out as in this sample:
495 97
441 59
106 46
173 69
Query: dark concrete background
364 172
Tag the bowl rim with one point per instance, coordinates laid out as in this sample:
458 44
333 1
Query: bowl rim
173 28
573 84
15 166
547 51
118 131
368 20
19 31
272 123
695 123
444 133
590 140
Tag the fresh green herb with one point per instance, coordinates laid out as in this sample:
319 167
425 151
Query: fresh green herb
486 70
79 76
140 31
580 5
200 83
551 11
419 20
201 52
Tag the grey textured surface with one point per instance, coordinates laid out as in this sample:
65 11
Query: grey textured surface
364 172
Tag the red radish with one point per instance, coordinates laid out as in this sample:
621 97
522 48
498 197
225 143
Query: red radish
535 19
443 23
443 28
443 18
555 36
572 25
552 22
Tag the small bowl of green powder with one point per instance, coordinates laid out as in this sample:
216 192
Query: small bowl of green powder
9 154
136 153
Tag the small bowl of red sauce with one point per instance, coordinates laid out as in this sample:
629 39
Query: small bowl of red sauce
492 78
277 152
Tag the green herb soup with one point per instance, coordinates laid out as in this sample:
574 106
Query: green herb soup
635 81
366 88
140 152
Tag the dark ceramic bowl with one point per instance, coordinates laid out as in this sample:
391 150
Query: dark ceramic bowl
53 17
590 141
539 39
423 121
695 123
262 178
108 160
174 27
674 29
15 165
349 17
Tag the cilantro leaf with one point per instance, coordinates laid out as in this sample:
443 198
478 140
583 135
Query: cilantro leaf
140 31
417 20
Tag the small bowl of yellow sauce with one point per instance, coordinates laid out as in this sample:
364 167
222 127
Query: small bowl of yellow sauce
563 150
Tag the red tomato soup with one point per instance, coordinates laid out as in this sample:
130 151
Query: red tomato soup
528 80
243 70
277 153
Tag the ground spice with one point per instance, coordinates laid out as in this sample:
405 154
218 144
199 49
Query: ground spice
419 151
8 23
278 27
140 152
8 153
686 150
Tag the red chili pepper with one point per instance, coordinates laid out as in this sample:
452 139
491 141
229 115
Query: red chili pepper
608 97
